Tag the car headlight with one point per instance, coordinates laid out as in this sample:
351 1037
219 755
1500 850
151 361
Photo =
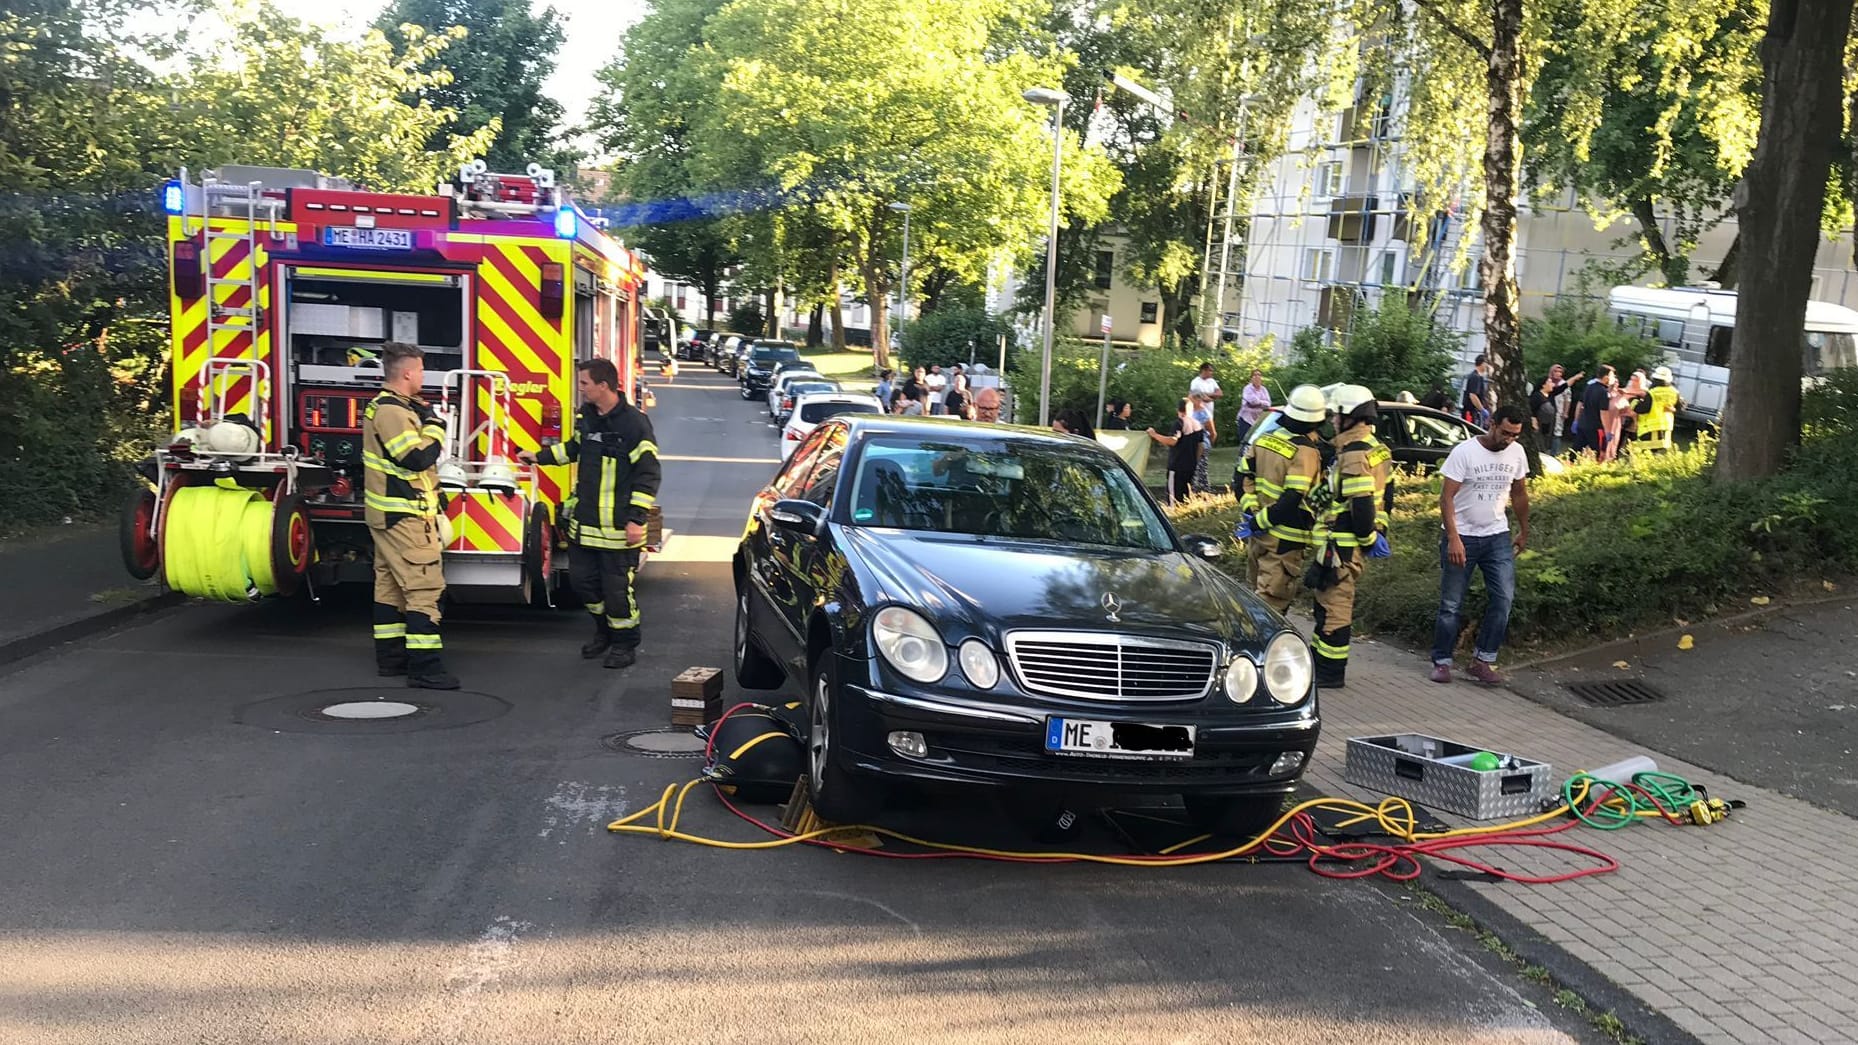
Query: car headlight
1241 679
910 644
1287 668
979 664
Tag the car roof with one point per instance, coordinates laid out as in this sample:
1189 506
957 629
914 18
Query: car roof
837 395
898 424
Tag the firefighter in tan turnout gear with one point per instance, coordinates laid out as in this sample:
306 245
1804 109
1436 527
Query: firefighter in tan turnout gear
1356 528
614 493
1286 468
401 439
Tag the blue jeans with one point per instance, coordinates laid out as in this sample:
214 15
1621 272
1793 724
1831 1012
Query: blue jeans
1496 557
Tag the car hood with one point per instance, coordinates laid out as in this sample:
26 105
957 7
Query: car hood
988 586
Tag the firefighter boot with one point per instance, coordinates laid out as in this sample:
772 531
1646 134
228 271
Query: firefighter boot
424 668
602 640
389 641
621 657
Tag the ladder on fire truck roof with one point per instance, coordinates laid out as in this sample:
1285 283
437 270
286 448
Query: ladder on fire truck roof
248 203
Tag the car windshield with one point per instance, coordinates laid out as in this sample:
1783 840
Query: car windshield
801 388
1023 489
774 353
814 413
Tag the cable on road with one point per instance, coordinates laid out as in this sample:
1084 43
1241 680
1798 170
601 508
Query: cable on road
1294 836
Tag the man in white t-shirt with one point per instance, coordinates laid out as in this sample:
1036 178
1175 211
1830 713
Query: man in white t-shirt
1206 384
1483 476
938 389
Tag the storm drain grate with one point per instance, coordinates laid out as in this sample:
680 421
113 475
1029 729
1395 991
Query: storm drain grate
1616 694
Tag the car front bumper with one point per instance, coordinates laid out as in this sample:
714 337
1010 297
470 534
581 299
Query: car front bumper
986 743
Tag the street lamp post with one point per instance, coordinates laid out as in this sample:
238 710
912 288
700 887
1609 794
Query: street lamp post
903 291
1056 100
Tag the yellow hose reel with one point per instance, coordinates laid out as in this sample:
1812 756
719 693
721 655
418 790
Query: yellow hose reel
228 543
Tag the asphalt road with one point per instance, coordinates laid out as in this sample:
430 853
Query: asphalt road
188 858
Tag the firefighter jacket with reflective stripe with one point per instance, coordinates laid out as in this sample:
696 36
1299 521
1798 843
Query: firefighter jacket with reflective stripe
1658 424
618 480
400 455
1363 468
1286 469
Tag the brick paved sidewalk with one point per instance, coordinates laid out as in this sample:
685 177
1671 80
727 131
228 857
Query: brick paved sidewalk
1739 932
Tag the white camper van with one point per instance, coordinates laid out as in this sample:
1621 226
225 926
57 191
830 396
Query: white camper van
1695 326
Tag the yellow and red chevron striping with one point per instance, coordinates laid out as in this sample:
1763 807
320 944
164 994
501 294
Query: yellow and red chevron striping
483 521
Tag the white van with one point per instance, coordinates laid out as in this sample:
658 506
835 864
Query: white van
1695 326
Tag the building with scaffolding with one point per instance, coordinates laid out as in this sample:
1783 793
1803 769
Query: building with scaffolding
1333 227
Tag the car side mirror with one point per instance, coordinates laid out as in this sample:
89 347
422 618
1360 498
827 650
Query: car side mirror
1204 546
797 516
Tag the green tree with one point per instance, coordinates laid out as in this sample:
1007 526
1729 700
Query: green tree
847 110
496 69
1657 114
650 98
278 92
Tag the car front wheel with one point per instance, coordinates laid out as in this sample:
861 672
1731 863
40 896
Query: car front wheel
836 796
746 394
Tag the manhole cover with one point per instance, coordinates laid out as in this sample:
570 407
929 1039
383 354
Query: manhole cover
371 709
656 743
1616 693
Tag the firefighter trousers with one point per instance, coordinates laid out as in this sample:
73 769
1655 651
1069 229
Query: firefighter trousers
408 581
1278 567
602 579
1335 613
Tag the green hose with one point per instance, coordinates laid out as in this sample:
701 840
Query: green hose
1626 806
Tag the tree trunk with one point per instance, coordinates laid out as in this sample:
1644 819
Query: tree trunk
1651 237
712 293
877 292
815 335
1727 270
1779 204
1502 165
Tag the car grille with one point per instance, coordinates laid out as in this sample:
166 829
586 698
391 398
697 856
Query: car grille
1028 759
1088 666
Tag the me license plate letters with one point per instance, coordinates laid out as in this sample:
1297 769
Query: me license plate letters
368 239
1087 738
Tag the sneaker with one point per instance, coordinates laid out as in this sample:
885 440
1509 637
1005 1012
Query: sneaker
1486 673
1441 673
436 680
621 658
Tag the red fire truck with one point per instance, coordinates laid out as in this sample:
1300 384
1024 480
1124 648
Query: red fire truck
285 283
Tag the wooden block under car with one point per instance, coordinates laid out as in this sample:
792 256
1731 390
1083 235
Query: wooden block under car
698 684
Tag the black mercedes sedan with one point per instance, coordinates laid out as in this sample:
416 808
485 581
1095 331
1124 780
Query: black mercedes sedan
975 604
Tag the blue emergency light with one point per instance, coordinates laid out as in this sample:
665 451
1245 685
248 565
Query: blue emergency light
174 198
567 223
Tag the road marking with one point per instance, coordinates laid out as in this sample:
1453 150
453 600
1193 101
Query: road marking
578 805
692 548
721 460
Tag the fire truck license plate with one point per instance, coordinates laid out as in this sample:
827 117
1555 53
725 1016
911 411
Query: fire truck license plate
368 239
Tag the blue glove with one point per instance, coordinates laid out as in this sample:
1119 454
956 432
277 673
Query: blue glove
1247 527
1380 549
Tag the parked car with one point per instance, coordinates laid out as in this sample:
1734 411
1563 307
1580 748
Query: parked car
1419 436
738 355
732 353
810 409
809 384
693 345
714 347
758 369
777 387
965 604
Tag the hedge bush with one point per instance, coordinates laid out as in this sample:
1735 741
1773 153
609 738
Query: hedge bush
1618 546
1153 379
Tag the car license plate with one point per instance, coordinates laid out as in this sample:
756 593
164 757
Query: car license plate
368 239
1094 739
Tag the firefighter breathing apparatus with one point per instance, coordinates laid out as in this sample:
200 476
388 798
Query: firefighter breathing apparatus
760 759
